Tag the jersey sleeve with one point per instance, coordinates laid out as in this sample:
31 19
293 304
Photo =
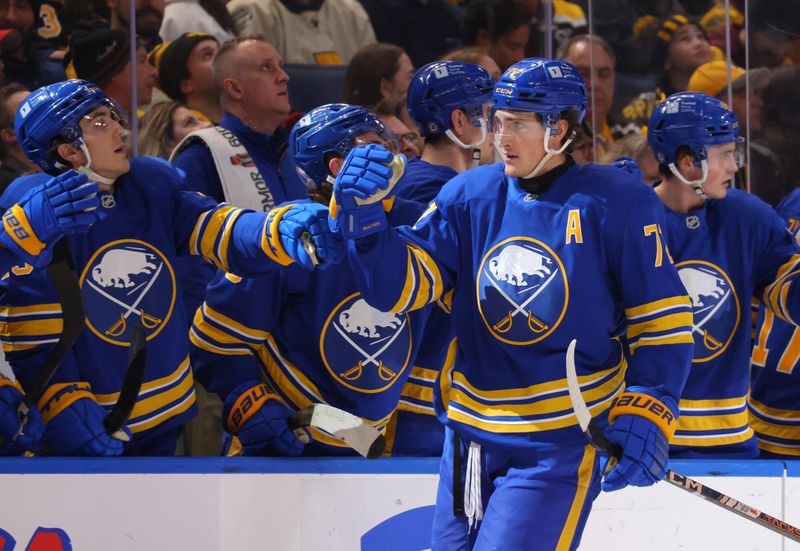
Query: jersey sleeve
657 310
403 269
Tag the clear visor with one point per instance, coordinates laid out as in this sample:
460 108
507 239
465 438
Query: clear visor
725 155
379 135
106 113
515 124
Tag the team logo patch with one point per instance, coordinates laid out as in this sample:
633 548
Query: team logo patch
127 280
715 307
363 348
522 290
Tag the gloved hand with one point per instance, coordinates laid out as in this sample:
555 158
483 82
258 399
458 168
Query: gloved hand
259 419
67 203
74 422
364 190
300 233
640 425
14 438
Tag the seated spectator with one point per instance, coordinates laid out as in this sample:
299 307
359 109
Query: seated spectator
394 114
322 32
102 56
164 126
199 16
184 73
377 71
713 24
26 60
636 147
501 26
149 14
568 20
478 56
15 163
425 29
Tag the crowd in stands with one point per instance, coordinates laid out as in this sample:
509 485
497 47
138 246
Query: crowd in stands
207 71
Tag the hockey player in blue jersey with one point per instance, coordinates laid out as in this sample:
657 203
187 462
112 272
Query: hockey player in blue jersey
311 333
125 266
537 251
449 101
774 401
728 246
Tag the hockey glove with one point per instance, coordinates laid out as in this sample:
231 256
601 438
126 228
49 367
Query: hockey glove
14 438
300 233
364 190
259 419
641 424
74 422
65 204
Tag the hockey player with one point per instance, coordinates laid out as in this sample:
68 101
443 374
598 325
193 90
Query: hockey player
16 439
728 246
124 262
774 401
311 333
449 101
531 249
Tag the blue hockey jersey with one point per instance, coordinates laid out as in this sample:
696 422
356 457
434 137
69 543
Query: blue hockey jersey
313 336
775 386
726 252
125 264
528 274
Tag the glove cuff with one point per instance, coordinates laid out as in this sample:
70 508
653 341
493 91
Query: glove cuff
649 407
271 237
246 404
20 231
60 396
8 382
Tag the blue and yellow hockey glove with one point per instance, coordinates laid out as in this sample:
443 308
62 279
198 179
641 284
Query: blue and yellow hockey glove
74 422
258 419
13 440
642 424
67 203
300 233
363 191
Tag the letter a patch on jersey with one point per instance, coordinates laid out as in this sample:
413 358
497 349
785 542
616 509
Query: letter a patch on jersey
574 232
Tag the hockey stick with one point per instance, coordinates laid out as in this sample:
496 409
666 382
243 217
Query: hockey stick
344 426
131 385
597 439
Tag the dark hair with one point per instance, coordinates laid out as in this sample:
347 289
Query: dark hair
7 117
217 10
663 168
496 17
368 67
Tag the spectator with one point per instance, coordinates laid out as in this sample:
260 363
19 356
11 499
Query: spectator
596 62
501 26
326 32
568 20
478 56
203 16
377 71
149 14
425 29
636 147
102 56
394 114
164 126
15 163
184 73
28 61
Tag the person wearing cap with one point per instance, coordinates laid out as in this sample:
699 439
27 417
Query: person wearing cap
102 56
184 73
728 247
527 251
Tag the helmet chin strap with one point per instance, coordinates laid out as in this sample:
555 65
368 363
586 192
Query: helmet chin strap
475 146
697 185
87 168
549 153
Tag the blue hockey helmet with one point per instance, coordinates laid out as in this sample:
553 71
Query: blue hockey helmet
691 119
55 111
330 129
545 86
439 88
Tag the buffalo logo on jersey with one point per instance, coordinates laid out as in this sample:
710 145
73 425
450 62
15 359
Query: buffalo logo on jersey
522 290
363 348
127 280
714 304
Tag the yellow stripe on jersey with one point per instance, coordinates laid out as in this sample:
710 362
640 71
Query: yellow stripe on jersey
230 324
710 440
225 236
206 231
422 275
32 328
660 324
774 447
177 409
680 338
585 472
432 273
408 287
716 418
9 311
776 293
766 411
183 370
658 306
